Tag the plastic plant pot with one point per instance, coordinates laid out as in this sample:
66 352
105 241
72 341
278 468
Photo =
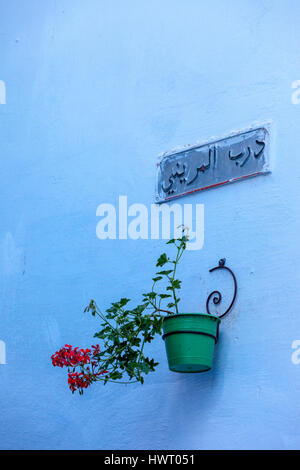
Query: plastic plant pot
190 340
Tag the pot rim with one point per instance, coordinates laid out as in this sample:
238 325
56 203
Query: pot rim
167 317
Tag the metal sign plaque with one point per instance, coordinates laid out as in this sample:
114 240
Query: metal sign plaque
216 163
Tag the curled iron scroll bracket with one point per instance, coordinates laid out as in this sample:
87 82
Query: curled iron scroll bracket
216 295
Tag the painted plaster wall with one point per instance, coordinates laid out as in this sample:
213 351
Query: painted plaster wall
95 91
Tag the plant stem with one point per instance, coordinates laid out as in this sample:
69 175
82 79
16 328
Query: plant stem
115 382
100 314
160 309
178 256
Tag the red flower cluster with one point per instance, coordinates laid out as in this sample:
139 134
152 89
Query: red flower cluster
78 380
69 357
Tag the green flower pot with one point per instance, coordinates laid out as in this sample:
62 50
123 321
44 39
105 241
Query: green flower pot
190 341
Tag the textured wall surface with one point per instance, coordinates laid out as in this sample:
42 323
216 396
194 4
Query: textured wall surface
95 90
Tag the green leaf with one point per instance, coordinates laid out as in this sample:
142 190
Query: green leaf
164 296
163 259
176 283
150 295
115 375
170 305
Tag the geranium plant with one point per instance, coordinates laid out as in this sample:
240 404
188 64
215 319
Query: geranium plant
125 331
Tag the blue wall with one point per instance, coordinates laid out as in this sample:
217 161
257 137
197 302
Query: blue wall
95 91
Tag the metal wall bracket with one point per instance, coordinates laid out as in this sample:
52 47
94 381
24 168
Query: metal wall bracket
216 296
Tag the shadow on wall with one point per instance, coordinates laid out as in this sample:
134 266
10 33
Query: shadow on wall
170 412
192 398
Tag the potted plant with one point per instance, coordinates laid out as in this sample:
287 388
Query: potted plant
189 337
